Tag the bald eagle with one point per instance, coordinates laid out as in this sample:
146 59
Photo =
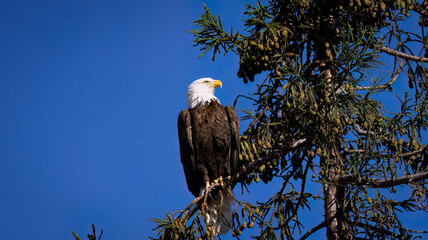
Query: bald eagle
209 147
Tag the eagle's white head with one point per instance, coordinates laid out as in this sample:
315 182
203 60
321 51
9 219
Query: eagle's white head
201 91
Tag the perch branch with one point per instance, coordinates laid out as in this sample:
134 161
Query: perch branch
196 204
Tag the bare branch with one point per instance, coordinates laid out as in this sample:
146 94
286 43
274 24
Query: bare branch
411 153
359 130
298 142
256 119
355 151
393 79
406 56
314 229
376 183
414 231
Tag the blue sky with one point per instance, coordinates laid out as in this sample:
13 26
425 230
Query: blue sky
89 96
90 92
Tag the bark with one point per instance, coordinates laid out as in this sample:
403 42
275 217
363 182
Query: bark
330 207
406 56
378 183
331 190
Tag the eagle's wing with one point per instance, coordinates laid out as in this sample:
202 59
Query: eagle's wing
187 151
235 139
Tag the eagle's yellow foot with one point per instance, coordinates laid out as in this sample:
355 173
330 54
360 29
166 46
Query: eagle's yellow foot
221 181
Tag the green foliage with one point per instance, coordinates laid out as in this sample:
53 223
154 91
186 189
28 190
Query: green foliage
75 236
212 35
173 226
320 103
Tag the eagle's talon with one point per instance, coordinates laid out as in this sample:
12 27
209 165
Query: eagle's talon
221 181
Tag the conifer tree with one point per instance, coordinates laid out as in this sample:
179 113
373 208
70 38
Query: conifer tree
327 72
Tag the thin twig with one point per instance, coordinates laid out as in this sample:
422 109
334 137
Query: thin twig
314 229
393 79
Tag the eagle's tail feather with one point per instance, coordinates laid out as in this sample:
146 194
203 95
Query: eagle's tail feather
220 217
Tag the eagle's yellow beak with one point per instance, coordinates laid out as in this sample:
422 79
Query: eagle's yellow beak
216 83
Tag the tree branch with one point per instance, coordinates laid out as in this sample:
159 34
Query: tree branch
314 229
411 153
376 183
406 56
393 79
256 164
231 181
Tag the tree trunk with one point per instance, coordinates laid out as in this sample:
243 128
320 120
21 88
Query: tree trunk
330 190
330 208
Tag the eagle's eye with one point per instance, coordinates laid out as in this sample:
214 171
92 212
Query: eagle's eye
206 81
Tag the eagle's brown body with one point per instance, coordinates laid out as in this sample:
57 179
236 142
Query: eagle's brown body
209 144
209 147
